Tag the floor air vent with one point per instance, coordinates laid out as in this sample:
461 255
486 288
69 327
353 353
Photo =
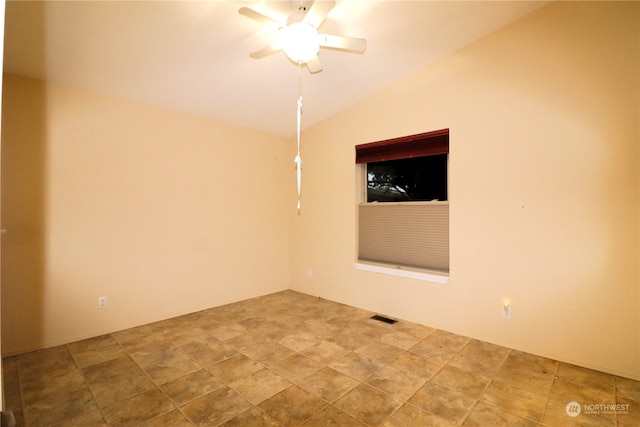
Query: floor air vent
384 319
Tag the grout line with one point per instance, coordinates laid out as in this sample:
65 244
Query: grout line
546 406
86 382
152 382
20 392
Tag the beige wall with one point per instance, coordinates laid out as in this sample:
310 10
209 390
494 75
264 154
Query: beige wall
544 189
161 212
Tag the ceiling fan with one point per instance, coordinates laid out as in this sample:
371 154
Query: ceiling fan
299 37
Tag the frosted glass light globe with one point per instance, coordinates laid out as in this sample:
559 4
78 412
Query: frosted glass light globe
300 42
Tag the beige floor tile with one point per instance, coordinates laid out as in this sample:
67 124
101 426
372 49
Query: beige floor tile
380 352
227 331
260 385
331 416
440 346
628 388
138 409
451 405
41 360
171 419
269 351
343 322
556 415
516 400
173 330
116 380
295 367
12 397
586 377
247 340
400 339
144 346
532 372
208 321
292 406
210 354
480 357
50 368
303 361
367 404
319 329
10 366
253 417
57 381
253 322
325 352
356 366
577 392
629 413
168 325
328 384
519 361
564 393
417 366
191 386
191 339
271 328
484 415
299 341
91 344
395 382
231 369
371 329
135 338
216 407
468 383
350 340
167 364
98 355
412 416
54 408
414 329
90 419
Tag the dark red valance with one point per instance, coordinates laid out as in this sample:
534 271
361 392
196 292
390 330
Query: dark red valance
405 147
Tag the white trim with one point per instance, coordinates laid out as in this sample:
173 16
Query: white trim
436 277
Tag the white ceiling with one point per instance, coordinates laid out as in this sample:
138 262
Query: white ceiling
193 56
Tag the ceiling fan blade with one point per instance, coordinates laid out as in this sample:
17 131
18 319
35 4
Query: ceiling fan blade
314 65
318 11
343 43
257 16
265 51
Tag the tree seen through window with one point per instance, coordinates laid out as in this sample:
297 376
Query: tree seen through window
405 180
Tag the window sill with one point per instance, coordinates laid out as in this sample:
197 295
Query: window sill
426 275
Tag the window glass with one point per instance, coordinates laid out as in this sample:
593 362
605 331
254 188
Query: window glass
406 180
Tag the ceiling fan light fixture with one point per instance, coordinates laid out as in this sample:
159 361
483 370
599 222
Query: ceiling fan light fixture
300 42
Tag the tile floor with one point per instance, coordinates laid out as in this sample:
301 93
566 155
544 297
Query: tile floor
289 359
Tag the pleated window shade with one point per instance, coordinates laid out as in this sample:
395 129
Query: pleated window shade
410 234
413 234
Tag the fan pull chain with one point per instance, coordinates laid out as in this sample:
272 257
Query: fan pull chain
298 160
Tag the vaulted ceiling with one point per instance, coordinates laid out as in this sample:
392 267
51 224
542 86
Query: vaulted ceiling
193 56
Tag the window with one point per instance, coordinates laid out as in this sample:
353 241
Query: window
418 179
403 221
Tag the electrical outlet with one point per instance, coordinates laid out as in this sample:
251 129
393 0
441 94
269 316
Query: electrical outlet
506 309
102 303
309 272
